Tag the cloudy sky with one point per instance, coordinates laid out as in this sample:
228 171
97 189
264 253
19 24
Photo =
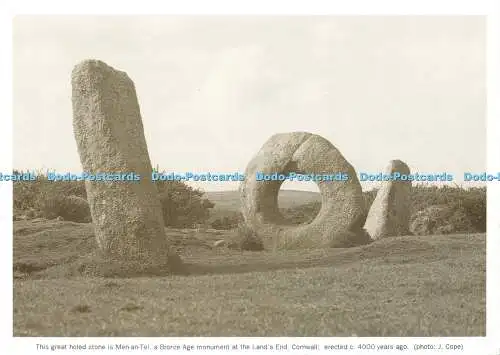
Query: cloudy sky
212 90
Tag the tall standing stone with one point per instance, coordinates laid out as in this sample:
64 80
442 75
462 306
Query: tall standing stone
108 130
389 214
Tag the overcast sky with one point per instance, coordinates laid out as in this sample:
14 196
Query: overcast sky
212 90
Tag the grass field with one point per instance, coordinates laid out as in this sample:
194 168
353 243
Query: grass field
229 201
405 286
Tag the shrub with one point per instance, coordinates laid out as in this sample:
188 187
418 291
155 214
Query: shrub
466 208
183 206
228 222
441 219
71 208
27 194
248 239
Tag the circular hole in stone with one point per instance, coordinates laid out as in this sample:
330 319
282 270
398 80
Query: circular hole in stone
299 201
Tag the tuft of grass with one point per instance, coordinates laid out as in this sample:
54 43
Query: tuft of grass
130 307
248 239
81 308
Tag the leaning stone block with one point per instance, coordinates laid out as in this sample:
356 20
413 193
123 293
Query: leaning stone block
109 133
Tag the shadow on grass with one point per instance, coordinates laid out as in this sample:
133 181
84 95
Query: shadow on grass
401 251
419 251
68 250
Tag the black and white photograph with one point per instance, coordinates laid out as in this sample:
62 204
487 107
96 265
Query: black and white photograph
249 176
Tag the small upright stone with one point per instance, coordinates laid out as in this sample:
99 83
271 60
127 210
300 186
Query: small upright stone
389 215
108 130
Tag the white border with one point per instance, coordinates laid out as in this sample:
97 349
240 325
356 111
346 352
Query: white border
354 7
493 159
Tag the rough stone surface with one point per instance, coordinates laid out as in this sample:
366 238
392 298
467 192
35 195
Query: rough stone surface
342 214
389 214
109 133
